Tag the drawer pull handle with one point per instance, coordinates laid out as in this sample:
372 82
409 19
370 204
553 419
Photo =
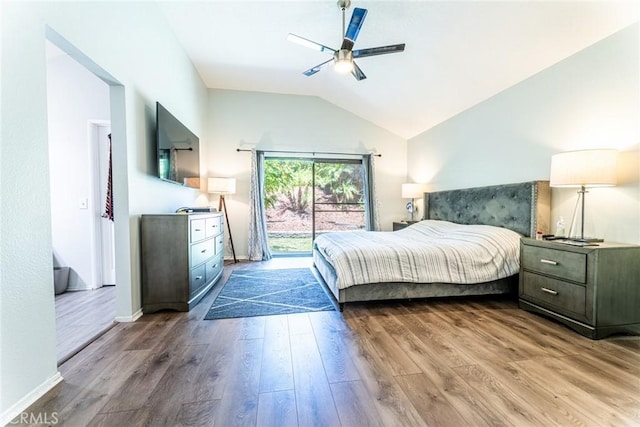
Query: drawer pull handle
549 291
198 277
203 251
548 261
197 229
214 267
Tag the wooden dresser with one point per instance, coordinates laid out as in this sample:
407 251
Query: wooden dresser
594 290
182 258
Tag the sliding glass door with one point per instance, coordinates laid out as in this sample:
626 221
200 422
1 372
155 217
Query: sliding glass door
305 197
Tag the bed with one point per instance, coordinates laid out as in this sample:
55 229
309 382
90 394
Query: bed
522 208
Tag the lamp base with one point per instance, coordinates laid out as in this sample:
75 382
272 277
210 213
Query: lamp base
577 241
586 239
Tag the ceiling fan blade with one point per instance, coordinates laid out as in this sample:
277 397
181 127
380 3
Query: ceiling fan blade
357 72
382 50
308 43
313 70
357 19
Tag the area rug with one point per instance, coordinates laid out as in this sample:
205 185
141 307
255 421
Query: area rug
267 292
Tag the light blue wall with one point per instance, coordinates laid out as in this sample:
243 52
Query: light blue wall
589 100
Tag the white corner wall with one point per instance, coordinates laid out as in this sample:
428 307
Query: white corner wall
589 100
75 98
267 121
131 42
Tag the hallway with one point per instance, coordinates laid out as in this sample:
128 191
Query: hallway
82 316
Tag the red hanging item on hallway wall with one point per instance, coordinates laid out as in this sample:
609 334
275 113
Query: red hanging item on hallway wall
108 210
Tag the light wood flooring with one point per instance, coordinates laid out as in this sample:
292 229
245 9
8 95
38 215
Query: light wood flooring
81 316
445 362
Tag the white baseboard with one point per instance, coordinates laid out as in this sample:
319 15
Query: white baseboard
135 316
77 288
20 406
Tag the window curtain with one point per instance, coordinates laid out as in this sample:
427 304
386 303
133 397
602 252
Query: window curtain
173 164
370 196
258 240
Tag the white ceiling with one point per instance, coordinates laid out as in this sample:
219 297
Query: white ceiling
458 53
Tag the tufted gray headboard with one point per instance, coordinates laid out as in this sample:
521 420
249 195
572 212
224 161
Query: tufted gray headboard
523 207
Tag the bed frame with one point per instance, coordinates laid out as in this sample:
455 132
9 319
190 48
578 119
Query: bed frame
523 207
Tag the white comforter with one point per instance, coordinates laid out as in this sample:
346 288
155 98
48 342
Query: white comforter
426 252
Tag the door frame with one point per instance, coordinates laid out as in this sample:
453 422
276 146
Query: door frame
102 242
313 161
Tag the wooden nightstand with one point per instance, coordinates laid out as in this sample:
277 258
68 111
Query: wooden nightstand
594 290
402 224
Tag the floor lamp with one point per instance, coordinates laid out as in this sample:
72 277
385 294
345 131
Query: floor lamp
224 186
583 169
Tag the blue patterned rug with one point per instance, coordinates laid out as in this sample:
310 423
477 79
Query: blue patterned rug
250 293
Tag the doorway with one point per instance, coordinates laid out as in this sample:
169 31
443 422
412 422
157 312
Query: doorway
79 115
104 250
305 197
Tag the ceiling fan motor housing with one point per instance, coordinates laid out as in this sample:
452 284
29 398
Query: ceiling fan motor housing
344 55
344 4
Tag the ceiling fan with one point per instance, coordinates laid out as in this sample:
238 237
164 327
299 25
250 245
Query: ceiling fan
344 57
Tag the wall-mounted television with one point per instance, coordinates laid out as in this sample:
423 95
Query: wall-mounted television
178 150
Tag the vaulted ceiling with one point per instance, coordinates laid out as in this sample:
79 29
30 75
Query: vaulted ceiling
458 53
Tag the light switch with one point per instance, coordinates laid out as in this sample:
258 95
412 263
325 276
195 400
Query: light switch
84 203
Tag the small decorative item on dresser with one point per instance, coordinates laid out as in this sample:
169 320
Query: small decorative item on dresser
592 289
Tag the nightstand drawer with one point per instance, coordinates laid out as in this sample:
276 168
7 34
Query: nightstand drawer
567 298
561 264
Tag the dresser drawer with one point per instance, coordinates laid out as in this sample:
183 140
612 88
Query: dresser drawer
564 297
213 226
557 263
214 267
219 244
198 279
198 229
200 252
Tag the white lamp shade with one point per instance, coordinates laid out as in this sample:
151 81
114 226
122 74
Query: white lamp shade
222 185
591 168
412 191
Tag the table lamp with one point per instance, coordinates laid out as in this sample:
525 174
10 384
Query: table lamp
412 191
583 169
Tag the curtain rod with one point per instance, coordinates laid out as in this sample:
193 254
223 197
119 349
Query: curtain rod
311 152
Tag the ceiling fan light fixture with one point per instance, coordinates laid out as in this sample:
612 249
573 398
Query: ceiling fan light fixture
343 57
344 61
344 67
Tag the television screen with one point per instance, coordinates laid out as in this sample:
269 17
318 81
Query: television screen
178 150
